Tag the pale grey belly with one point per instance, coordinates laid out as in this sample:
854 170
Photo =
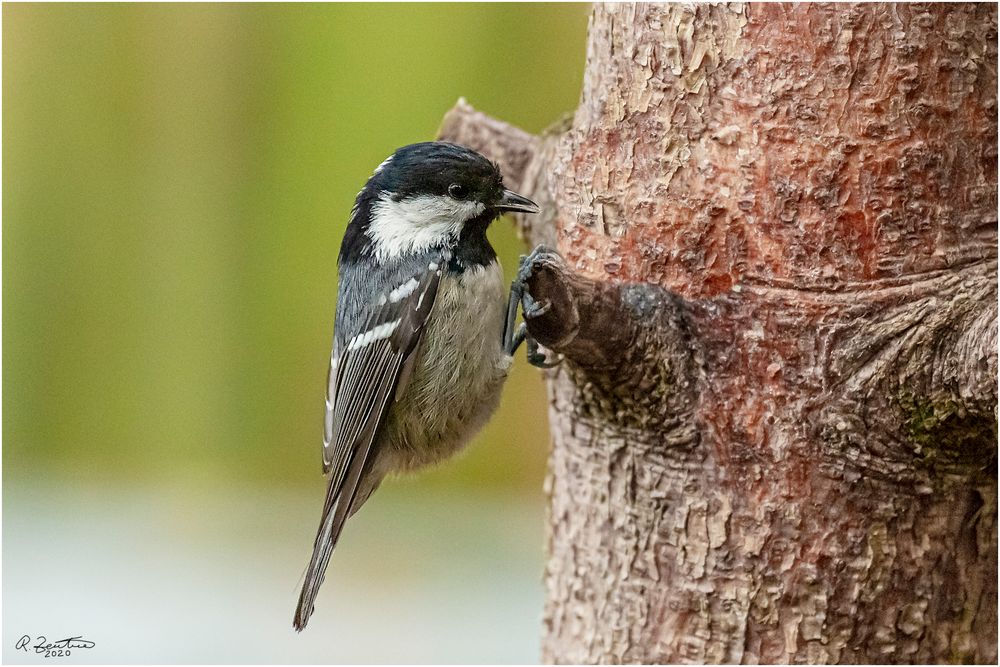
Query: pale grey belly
458 374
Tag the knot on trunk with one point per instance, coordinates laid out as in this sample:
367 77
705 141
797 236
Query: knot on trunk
630 344
918 360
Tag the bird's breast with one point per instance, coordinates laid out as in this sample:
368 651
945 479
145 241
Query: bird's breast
459 369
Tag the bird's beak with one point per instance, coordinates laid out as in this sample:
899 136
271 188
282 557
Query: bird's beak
511 201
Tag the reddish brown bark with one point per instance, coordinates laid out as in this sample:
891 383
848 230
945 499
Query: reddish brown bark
774 436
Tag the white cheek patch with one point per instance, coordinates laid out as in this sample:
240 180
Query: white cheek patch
417 223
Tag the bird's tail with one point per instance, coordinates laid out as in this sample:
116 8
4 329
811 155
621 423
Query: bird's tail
336 510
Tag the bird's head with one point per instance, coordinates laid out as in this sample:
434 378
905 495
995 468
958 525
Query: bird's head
429 195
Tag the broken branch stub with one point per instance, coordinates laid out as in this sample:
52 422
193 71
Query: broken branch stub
628 340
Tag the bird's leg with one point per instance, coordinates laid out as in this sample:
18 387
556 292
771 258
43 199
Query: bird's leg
513 336
520 335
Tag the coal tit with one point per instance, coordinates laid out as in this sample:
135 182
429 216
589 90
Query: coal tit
424 332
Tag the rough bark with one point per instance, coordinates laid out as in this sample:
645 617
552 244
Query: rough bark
775 430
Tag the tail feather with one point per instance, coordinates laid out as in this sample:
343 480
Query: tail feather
335 513
341 497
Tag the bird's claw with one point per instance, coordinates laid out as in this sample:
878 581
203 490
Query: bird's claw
532 308
526 262
537 358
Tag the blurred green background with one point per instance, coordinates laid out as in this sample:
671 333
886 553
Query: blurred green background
176 182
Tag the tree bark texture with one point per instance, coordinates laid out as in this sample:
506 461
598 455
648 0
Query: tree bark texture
775 427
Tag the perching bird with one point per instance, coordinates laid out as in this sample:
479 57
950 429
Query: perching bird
424 333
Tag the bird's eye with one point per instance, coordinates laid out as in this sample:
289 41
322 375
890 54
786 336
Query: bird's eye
457 190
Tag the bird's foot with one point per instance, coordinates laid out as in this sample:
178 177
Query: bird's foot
530 308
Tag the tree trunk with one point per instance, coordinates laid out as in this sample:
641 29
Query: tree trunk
775 426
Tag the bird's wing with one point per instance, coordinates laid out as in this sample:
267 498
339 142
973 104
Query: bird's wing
359 380
364 376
